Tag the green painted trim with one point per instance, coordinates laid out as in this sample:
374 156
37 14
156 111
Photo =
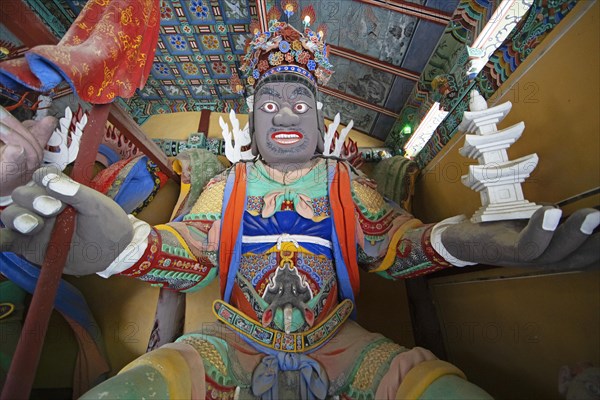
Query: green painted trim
204 282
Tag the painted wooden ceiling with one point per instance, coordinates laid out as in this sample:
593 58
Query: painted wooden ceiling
378 49
387 55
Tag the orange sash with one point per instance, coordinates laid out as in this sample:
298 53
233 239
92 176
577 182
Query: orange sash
342 206
232 221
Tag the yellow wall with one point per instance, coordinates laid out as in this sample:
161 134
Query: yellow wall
511 336
511 330
181 125
172 126
558 100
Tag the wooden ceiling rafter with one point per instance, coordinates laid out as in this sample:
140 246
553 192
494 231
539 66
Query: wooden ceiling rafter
413 10
398 6
132 131
356 100
373 62
16 14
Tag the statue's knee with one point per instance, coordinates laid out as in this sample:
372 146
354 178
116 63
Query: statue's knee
453 387
162 373
213 353
215 362
135 383
437 379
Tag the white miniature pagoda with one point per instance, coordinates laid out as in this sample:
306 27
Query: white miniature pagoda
496 178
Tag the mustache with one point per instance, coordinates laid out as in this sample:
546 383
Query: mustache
286 129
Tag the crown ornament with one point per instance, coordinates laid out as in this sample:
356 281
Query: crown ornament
285 49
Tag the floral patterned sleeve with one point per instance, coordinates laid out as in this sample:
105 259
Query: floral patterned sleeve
392 243
183 256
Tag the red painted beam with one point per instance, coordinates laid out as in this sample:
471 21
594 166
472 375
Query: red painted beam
412 9
204 123
25 24
261 11
373 62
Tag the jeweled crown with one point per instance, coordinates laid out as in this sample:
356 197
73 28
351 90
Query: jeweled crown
285 49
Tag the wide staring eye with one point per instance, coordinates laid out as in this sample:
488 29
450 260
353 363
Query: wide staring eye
270 107
300 108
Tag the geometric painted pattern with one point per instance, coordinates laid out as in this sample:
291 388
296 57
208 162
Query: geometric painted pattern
378 48
392 59
198 53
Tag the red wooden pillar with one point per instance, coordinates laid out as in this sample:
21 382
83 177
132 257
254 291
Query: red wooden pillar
21 374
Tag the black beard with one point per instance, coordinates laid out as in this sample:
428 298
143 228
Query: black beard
281 149
274 148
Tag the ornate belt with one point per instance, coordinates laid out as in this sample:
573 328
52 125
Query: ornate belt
288 342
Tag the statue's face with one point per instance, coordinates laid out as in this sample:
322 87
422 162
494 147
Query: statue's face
286 126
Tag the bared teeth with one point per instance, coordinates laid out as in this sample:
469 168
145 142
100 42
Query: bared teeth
287 138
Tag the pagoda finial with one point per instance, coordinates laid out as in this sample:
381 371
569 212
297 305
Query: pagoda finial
477 102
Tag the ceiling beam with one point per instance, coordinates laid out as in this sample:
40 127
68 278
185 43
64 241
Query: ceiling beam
413 10
25 24
356 100
204 124
132 131
373 62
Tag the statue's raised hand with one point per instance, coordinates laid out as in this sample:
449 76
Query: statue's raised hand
102 229
541 241
21 149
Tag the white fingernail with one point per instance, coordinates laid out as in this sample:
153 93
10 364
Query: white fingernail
5 201
49 178
551 219
25 223
61 184
590 223
46 205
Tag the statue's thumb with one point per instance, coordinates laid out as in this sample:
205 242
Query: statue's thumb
65 189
